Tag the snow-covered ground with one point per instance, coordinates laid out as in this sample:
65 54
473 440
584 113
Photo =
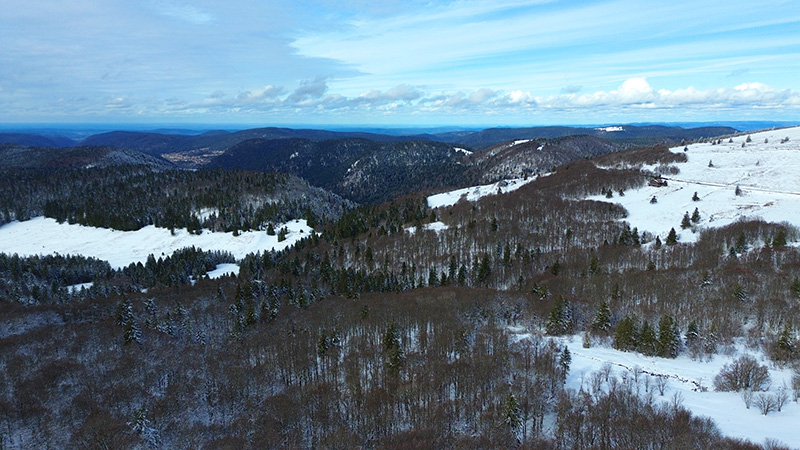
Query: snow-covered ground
433 226
685 377
474 193
766 172
223 270
43 236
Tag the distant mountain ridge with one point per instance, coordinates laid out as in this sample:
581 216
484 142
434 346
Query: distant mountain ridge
164 141
23 156
638 135
35 140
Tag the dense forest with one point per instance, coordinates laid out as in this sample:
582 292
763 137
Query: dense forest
391 327
131 197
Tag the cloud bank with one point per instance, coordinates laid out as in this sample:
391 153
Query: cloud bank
633 95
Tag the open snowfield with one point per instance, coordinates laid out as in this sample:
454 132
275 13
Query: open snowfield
475 193
43 236
685 376
768 174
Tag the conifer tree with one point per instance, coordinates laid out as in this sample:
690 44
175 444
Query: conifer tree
626 334
696 216
564 360
512 416
672 237
647 340
560 319
668 338
686 221
601 324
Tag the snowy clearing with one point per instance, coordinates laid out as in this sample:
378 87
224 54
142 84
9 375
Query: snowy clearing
433 226
44 236
462 150
684 377
766 170
223 270
475 193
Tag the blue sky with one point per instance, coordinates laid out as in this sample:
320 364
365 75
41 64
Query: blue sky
481 62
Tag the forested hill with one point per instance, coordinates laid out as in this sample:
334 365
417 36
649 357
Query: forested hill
159 144
131 197
526 157
19 156
624 134
361 170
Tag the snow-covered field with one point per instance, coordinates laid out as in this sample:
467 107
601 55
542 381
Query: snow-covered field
727 409
475 193
766 170
43 236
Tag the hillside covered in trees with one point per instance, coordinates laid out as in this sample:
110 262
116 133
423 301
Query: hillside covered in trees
395 325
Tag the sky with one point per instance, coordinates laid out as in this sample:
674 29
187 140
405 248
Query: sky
393 62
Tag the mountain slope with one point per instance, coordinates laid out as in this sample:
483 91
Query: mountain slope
193 151
18 156
526 157
361 170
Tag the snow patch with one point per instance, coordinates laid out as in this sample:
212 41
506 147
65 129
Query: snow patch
45 236
475 193
521 141
75 288
204 214
224 270
433 226
610 129
462 150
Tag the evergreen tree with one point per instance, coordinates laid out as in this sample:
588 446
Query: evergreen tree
601 324
672 237
696 216
564 360
692 333
695 197
512 414
784 348
392 349
132 333
462 275
647 340
686 221
626 334
779 241
560 319
484 270
668 338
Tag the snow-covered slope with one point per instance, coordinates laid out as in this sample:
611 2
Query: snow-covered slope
41 236
727 409
474 193
766 169
692 381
